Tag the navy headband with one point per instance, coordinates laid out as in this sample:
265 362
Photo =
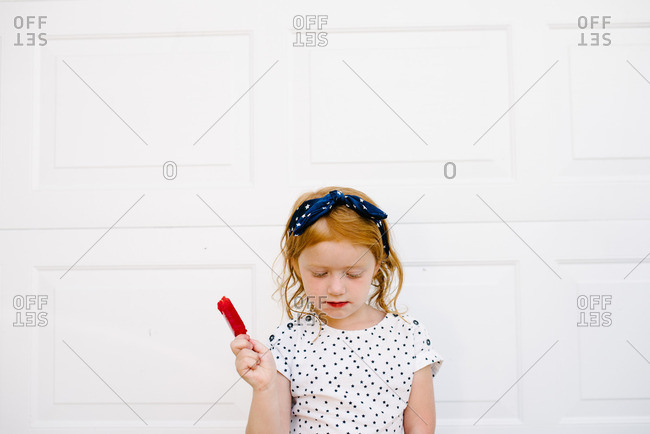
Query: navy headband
311 210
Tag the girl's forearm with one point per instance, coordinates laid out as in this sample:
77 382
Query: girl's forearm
264 416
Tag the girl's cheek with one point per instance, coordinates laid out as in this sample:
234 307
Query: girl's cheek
312 286
316 288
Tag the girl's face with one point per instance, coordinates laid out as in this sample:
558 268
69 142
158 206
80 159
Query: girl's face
337 278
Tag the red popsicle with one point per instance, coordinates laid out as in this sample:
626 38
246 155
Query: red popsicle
234 321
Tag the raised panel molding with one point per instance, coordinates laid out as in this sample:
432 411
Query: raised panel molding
113 108
137 328
424 86
599 104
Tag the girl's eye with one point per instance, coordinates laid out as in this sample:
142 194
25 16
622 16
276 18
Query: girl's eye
350 275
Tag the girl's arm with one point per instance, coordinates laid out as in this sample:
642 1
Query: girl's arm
271 405
271 408
420 415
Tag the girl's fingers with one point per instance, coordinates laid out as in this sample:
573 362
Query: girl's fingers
249 357
249 364
258 347
240 343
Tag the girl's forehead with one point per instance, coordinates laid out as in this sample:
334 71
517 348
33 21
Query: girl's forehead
336 253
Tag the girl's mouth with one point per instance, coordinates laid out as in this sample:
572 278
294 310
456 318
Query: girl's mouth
337 304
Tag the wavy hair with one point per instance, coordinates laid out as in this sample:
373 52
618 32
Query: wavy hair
341 224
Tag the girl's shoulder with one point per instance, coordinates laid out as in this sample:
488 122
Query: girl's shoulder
409 325
293 329
406 320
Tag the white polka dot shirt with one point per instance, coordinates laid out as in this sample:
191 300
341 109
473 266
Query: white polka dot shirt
351 381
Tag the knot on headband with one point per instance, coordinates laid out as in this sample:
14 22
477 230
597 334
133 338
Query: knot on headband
311 210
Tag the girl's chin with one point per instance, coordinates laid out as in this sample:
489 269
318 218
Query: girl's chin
334 312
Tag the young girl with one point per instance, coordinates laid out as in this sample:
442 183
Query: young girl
349 362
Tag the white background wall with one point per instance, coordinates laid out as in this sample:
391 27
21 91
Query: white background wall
550 204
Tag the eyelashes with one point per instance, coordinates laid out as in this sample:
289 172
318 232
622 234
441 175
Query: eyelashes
350 275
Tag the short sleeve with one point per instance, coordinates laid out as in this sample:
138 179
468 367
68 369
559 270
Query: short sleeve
280 343
423 353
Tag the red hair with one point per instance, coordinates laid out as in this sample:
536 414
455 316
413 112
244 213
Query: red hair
340 224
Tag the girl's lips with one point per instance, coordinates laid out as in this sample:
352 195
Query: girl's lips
337 304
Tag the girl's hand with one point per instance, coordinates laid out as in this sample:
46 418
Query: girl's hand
254 362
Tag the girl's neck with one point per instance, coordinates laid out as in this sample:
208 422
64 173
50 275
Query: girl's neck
366 319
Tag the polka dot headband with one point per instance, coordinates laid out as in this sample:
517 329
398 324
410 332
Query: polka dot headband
311 210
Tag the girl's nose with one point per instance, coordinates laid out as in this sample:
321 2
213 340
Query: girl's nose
336 285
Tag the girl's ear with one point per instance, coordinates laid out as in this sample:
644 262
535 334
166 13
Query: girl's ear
377 266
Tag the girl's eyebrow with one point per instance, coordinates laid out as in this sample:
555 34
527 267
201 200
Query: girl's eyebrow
346 267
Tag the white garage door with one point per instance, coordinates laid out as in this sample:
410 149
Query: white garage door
150 153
